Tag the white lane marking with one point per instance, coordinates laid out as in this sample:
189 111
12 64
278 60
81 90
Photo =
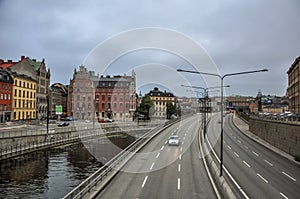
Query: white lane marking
166 141
283 195
266 181
224 142
228 147
289 176
183 138
185 134
162 148
269 163
255 153
144 182
152 166
178 167
246 147
248 165
183 142
178 183
157 155
239 141
180 157
180 148
237 155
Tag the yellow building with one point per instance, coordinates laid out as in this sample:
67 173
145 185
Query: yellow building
160 100
24 97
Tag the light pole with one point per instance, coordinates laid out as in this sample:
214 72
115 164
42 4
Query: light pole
205 96
222 105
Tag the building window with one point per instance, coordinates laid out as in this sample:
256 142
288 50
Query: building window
103 97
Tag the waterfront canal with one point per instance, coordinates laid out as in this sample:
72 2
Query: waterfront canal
55 172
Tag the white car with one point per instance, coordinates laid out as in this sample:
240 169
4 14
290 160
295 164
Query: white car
173 140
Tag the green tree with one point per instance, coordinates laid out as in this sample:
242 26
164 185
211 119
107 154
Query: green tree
171 109
145 105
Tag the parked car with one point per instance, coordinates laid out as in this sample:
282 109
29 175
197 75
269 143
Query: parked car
173 140
61 124
105 120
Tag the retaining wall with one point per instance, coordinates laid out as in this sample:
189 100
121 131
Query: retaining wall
283 135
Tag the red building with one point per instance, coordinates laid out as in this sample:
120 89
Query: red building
116 97
6 93
81 93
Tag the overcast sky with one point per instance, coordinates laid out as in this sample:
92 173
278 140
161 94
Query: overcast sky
238 35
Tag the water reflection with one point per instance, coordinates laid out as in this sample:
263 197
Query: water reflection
53 173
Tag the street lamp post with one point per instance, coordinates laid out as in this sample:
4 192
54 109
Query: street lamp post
205 102
222 105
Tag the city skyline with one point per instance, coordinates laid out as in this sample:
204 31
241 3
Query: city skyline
237 36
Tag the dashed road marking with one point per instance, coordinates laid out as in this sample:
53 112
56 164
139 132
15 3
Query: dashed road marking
266 181
183 142
248 165
180 148
166 141
239 141
228 147
162 148
157 155
255 153
145 180
246 147
237 155
178 183
180 157
178 167
269 163
288 176
152 166
283 195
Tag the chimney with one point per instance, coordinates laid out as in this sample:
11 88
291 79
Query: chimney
22 57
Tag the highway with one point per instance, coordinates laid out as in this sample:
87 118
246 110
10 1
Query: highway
260 172
162 171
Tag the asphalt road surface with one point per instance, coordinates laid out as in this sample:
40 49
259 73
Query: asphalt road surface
162 171
260 172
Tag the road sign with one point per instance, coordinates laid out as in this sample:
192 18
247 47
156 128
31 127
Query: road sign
58 109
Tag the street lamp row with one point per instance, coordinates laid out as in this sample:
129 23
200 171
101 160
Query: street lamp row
222 105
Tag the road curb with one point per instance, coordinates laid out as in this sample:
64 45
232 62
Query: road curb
265 144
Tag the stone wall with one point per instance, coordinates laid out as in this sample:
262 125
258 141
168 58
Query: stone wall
283 135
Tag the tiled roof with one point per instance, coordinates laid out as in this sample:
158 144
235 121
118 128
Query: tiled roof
6 66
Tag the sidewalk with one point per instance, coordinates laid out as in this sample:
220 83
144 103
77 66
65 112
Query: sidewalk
244 128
